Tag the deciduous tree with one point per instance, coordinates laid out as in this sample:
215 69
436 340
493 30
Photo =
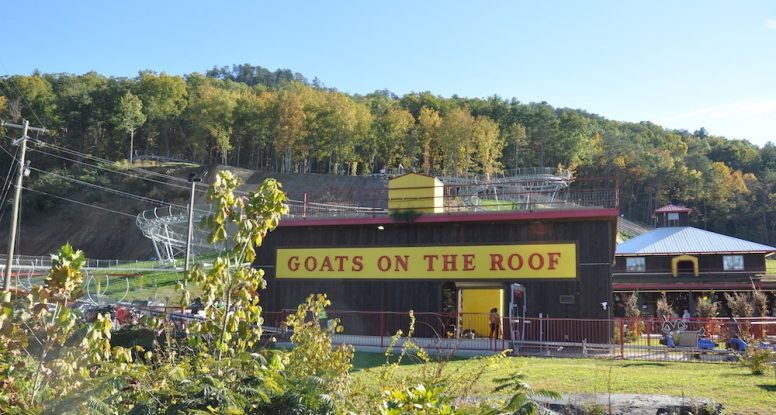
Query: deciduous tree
130 118
488 145
455 139
427 136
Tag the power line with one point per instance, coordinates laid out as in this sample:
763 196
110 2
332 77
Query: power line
80 203
73 200
102 188
131 168
99 187
112 190
135 176
107 189
100 159
6 185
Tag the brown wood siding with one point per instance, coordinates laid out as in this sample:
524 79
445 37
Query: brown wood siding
593 283
708 264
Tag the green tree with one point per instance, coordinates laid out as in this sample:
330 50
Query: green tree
164 99
163 96
455 139
38 362
254 115
339 123
86 105
427 135
543 129
573 142
230 289
488 145
31 98
130 118
211 112
414 102
290 126
736 154
518 139
390 138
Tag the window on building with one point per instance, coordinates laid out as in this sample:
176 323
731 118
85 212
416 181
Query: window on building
733 262
673 216
635 264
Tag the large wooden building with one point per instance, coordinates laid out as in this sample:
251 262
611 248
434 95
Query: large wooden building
684 263
553 256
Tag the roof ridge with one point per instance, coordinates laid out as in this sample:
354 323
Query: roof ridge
688 239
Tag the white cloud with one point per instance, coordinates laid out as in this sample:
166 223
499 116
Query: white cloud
770 24
737 109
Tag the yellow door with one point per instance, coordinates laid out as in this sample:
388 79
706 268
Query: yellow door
475 305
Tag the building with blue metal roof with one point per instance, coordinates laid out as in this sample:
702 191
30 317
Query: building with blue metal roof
686 262
688 240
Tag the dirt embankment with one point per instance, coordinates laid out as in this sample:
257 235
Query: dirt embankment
45 227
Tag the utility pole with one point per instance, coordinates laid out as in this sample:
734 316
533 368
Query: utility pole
25 127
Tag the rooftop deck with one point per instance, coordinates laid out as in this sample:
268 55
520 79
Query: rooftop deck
512 194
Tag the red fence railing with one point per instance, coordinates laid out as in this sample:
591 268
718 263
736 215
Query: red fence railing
708 340
623 338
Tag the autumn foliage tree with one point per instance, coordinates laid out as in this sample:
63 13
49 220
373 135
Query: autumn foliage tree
248 116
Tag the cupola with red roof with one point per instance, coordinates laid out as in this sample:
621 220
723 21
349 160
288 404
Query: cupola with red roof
672 215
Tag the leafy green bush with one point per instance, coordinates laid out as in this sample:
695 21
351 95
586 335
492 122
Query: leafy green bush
757 360
406 215
417 399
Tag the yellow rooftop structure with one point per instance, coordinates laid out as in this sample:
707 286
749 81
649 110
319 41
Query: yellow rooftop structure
413 191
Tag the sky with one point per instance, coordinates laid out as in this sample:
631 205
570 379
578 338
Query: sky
680 64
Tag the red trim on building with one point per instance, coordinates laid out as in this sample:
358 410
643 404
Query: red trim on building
673 254
717 286
459 217
673 209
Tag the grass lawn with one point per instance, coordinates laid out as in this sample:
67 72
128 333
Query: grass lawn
158 286
154 285
730 384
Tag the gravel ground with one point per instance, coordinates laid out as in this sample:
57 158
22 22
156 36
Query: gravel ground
632 404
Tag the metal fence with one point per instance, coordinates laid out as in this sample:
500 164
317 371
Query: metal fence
698 340
509 194
43 262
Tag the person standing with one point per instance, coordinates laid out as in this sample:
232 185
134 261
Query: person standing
495 321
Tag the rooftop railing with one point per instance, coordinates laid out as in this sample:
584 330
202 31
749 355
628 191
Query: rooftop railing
497 195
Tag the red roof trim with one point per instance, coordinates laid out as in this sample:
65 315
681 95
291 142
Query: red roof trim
673 209
459 217
696 286
672 254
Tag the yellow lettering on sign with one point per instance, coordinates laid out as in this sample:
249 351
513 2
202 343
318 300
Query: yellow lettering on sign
544 261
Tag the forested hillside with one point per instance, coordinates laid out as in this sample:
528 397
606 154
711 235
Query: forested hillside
250 117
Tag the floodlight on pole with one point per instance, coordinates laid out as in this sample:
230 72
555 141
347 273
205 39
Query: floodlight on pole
193 179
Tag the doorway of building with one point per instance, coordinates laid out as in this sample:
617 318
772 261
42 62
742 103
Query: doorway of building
685 268
474 305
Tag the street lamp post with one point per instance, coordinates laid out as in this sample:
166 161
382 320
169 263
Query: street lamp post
193 179
608 308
